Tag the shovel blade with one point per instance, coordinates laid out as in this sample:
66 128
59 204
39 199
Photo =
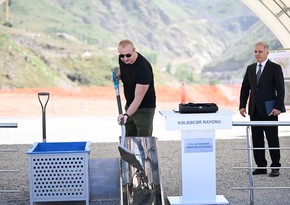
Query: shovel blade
130 157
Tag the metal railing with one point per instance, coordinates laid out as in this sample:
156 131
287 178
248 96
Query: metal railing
250 167
8 125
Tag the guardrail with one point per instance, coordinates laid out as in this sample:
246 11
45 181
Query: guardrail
8 125
250 167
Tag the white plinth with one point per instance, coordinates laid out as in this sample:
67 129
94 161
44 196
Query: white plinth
198 154
198 121
177 200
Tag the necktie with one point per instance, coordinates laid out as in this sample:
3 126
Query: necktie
259 73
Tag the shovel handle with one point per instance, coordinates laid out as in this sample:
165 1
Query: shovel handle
116 86
43 107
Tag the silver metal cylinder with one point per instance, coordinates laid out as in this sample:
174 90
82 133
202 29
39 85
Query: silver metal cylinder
143 186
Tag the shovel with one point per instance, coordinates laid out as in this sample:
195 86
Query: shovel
41 97
126 154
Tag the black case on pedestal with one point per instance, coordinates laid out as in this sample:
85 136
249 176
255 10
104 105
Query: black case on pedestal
198 108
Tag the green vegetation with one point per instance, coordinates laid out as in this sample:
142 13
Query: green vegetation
46 42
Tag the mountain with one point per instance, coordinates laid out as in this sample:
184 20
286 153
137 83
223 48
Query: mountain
74 42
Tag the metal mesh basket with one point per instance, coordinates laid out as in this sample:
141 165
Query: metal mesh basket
56 176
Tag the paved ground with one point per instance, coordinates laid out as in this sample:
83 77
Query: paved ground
227 177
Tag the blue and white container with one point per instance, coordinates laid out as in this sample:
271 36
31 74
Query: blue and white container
59 171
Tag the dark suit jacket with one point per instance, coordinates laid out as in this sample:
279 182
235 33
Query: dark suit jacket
270 87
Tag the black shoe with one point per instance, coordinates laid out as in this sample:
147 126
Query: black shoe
274 173
259 171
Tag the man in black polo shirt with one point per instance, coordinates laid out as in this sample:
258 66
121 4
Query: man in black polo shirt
138 80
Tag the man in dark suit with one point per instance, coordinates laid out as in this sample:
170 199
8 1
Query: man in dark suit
263 84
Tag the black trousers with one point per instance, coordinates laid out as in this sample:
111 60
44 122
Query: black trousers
140 123
258 139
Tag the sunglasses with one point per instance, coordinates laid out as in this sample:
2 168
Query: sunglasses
125 55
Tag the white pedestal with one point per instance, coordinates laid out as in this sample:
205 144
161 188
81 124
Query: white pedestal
198 154
177 200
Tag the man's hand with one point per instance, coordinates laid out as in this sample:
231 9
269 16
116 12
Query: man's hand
122 119
243 112
275 112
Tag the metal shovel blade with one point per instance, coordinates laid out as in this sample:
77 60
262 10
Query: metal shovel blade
130 157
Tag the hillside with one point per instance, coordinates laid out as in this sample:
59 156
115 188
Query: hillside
73 42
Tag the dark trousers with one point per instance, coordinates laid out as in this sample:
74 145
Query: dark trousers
140 123
271 133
